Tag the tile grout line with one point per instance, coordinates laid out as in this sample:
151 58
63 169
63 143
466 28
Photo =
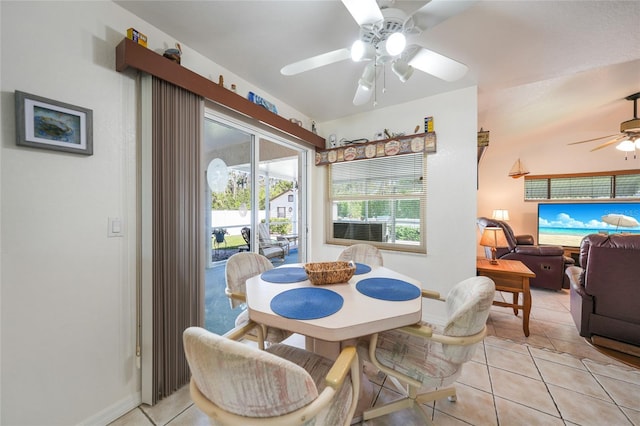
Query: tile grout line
546 385
609 394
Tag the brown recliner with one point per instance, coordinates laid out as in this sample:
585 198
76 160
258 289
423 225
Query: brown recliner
547 262
605 290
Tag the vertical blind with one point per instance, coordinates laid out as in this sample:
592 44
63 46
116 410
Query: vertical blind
178 271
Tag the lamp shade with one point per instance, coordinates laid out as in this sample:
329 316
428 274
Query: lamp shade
493 237
500 214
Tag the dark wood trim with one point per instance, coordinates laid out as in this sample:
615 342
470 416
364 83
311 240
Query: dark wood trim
130 54
358 151
585 174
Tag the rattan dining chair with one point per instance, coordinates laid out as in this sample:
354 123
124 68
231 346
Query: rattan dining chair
237 384
424 361
240 267
362 253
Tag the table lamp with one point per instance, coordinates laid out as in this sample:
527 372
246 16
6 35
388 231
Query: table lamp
493 238
500 214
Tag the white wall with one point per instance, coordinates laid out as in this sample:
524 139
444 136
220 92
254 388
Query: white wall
451 182
68 292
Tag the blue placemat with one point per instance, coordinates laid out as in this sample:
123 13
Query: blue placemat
306 303
388 289
361 268
292 274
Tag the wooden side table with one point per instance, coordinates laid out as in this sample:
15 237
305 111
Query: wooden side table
510 276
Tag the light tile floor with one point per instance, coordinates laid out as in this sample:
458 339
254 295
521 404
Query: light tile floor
552 377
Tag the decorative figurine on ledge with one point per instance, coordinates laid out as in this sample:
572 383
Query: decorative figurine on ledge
174 54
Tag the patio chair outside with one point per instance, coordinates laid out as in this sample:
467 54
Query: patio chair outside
266 249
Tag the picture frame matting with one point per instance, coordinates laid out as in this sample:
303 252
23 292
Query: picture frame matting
48 124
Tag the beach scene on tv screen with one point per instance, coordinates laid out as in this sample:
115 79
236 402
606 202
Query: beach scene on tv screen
566 224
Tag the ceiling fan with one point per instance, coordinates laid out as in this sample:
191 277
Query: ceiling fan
629 137
387 35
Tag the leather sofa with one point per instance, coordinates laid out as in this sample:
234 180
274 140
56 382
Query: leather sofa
547 262
605 290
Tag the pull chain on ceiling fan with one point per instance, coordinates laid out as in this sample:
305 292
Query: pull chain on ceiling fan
387 35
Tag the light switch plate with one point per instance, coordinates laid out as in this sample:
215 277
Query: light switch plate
115 227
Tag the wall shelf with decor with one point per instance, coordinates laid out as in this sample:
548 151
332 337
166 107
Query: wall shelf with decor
408 144
130 54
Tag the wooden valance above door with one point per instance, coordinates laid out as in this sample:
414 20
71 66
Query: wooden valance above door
129 54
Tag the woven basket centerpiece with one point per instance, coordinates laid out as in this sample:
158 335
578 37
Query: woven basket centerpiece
322 273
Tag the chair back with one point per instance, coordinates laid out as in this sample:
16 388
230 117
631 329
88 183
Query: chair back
362 253
246 235
240 267
263 233
468 305
244 380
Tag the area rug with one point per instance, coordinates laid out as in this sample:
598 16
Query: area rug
218 255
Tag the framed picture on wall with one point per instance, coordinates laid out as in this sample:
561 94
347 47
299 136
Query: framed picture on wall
48 124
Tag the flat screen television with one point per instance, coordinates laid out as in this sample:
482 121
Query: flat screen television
566 224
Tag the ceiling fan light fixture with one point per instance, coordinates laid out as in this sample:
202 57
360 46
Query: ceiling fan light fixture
395 44
626 146
402 69
368 76
361 51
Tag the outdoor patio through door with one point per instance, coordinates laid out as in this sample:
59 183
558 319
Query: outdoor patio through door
245 168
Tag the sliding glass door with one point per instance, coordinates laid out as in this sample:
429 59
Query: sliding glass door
253 202
227 152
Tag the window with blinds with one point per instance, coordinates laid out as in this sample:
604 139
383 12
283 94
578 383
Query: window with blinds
381 201
598 186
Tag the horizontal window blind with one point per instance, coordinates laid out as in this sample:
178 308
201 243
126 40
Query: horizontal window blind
581 187
627 186
402 175
536 189
608 185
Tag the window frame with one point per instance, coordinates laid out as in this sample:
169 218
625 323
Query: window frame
550 178
420 247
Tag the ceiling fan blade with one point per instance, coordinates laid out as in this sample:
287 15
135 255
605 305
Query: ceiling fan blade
362 96
611 142
364 11
436 11
316 62
438 65
591 140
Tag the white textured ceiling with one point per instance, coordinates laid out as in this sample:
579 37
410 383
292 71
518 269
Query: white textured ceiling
537 64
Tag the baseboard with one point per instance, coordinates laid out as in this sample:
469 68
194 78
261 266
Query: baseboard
114 411
616 345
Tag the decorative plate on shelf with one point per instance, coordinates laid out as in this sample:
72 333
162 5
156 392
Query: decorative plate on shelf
392 147
350 153
417 144
370 151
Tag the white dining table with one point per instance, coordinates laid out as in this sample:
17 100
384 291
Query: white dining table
360 315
